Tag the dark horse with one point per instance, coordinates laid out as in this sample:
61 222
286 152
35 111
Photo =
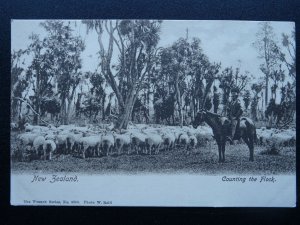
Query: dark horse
221 126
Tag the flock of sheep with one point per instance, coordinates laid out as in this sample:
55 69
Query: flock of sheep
276 137
96 141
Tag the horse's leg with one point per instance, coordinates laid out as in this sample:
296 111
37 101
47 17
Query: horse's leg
251 147
223 151
220 152
250 143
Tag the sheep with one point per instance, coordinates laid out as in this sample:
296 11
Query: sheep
61 142
153 141
36 129
280 139
264 136
137 140
38 144
204 135
107 142
49 146
91 142
184 140
28 127
168 140
26 139
70 142
122 141
177 132
66 127
192 140
13 126
50 136
73 140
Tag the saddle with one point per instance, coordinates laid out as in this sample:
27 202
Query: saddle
227 126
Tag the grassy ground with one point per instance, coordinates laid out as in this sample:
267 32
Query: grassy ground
203 160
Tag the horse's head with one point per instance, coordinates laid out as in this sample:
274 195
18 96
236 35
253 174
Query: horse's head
199 118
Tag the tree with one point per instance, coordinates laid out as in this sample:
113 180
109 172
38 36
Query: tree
246 99
62 57
38 73
216 99
268 50
136 42
289 58
277 76
256 88
94 100
18 82
188 71
230 79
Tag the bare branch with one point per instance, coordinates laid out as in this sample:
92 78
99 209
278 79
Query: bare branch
25 101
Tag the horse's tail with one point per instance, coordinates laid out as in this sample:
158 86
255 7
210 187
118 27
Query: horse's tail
251 125
255 136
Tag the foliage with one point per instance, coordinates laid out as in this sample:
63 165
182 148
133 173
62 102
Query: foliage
136 42
186 70
232 79
247 99
62 54
268 51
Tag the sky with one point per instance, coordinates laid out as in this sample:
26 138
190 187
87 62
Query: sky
228 42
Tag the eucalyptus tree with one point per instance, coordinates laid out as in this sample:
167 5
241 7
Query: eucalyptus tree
189 73
232 78
288 53
268 51
56 59
134 42
246 99
63 51
256 88
18 81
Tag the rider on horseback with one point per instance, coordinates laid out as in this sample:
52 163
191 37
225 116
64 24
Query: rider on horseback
234 112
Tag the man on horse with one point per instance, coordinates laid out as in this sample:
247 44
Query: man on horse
234 112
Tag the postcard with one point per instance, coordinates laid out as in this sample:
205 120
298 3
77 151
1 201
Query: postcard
192 113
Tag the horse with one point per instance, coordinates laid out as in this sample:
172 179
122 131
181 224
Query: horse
221 127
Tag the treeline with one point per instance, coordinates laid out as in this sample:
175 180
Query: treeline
146 83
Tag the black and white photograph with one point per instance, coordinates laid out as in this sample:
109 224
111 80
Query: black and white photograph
111 104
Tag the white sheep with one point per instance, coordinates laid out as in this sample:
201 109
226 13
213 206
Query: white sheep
137 140
107 142
70 142
26 139
35 129
50 136
13 126
153 142
90 142
49 146
168 139
122 141
61 142
184 140
28 127
38 144
192 141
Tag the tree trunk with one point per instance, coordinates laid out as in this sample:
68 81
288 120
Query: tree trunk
36 117
267 89
63 111
68 112
125 112
178 97
103 107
